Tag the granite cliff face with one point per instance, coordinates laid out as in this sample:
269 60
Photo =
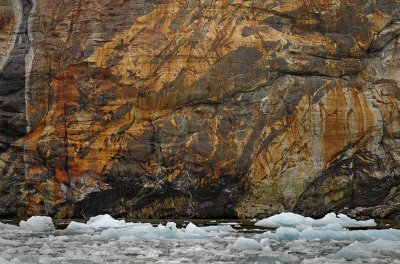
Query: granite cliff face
202 108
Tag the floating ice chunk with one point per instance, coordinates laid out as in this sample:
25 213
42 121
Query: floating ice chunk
359 250
6 242
104 221
192 229
356 250
9 252
243 243
293 220
330 227
267 249
284 219
150 236
352 235
290 233
78 227
230 223
7 226
325 235
133 251
120 230
287 233
16 261
305 227
343 220
319 260
148 232
4 261
128 239
113 233
277 257
282 233
265 242
45 249
171 225
37 224
218 228
97 222
5 256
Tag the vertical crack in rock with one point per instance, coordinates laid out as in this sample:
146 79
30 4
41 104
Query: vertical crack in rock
29 61
28 68
198 109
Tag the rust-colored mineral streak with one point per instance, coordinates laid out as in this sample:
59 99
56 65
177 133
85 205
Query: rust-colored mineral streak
167 108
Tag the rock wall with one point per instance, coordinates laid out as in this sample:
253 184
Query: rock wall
228 108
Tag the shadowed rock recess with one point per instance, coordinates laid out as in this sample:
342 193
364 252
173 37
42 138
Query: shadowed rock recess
234 108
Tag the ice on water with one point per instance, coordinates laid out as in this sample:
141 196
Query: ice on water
112 229
290 233
331 227
37 224
359 250
103 239
293 220
97 222
243 243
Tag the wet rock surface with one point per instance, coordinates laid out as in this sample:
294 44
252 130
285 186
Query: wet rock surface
14 27
202 109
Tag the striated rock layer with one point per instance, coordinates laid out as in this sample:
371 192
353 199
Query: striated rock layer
201 108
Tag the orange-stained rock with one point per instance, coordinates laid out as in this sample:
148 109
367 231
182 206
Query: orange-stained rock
229 108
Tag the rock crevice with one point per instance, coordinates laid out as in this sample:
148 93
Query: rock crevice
199 109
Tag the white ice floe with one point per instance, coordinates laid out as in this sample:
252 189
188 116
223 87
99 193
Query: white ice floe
97 222
243 243
192 229
293 220
311 233
119 229
218 228
7 242
104 221
359 250
112 229
146 232
103 239
37 224
265 242
230 223
7 227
